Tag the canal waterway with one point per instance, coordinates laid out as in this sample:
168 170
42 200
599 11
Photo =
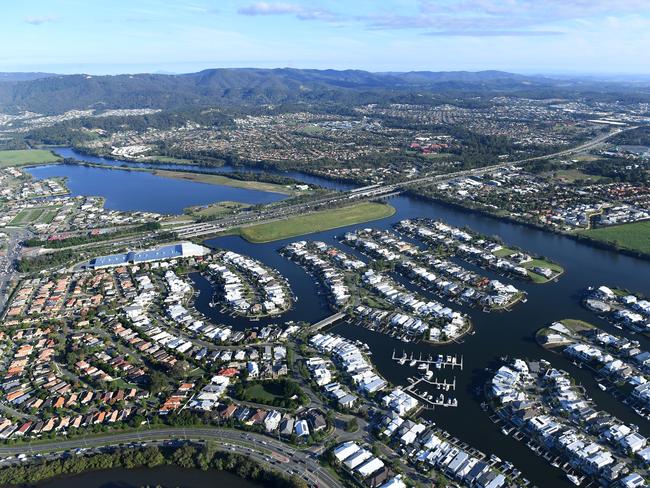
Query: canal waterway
496 334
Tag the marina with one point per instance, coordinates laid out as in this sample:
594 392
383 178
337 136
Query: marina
430 400
494 334
439 362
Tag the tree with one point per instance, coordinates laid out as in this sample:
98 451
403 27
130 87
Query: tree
157 382
352 425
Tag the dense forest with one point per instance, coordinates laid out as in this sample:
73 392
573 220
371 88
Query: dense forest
617 169
636 137
254 87
77 131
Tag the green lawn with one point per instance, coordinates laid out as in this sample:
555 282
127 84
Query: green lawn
572 175
27 157
503 252
219 209
634 237
213 179
38 215
26 216
577 325
537 278
279 393
47 216
316 222
258 393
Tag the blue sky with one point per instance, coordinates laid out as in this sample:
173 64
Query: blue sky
128 36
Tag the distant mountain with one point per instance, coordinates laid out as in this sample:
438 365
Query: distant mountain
254 87
27 76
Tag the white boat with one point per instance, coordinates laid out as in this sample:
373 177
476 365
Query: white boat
428 374
402 361
602 387
413 362
574 479
423 366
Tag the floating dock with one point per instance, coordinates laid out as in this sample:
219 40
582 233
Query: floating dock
440 385
441 361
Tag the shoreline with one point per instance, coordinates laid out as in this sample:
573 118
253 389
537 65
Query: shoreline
575 237
214 179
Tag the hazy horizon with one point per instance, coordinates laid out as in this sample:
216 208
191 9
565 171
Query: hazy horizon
570 37
631 77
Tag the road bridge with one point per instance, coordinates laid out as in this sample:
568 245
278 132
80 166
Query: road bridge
368 192
328 321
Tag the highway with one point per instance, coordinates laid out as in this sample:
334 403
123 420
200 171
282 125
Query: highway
280 212
268 451
8 262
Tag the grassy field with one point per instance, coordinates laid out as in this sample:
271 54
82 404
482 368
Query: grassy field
26 157
279 393
572 175
503 252
219 209
223 180
263 393
577 325
316 222
634 237
38 215
537 278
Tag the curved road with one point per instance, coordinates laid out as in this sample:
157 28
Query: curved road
263 449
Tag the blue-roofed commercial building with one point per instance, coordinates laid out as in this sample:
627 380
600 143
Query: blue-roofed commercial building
172 251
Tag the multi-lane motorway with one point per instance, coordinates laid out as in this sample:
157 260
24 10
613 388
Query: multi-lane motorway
283 211
267 451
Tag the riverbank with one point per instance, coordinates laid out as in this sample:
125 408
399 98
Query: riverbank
642 252
214 179
634 237
573 325
316 222
27 157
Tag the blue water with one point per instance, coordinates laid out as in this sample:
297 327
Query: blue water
497 334
70 153
142 191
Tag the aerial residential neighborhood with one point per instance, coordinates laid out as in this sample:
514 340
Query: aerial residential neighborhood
291 244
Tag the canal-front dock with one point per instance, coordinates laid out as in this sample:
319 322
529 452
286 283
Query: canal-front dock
440 362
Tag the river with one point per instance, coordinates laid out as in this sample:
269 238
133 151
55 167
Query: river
144 191
165 476
497 334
